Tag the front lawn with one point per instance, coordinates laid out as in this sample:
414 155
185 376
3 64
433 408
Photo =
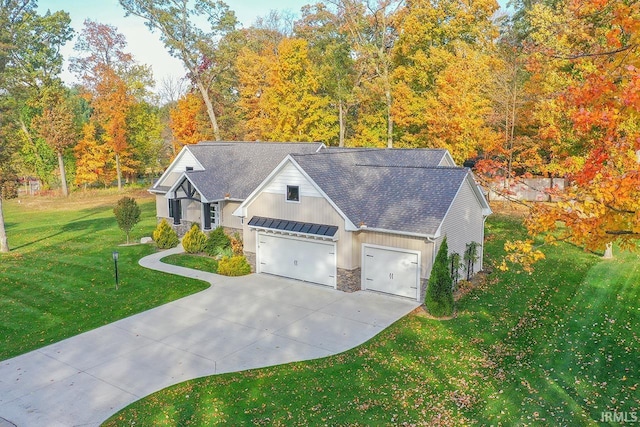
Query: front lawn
58 279
557 347
197 262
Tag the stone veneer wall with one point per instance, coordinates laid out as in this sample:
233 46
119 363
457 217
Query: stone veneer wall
423 288
349 280
185 226
251 258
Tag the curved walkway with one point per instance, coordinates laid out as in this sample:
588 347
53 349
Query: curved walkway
236 324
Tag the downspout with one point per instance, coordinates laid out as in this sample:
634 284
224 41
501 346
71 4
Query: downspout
482 243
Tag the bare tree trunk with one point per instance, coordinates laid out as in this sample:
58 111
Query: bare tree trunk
608 252
212 114
63 175
4 245
118 171
387 94
341 119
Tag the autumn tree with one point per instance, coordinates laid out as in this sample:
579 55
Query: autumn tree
330 52
195 47
443 63
91 157
29 60
57 126
295 108
112 80
592 49
254 62
372 32
186 122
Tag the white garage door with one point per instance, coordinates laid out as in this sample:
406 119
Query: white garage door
302 259
390 270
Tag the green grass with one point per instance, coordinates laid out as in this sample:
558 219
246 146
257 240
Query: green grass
556 347
58 280
197 262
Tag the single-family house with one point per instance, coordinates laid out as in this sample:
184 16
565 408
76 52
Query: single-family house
206 182
351 219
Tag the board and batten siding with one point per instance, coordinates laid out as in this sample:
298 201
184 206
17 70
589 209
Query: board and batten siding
290 175
227 219
396 241
162 206
192 211
464 223
309 209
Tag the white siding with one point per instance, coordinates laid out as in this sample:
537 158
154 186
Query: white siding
396 241
310 209
179 165
290 175
186 160
447 161
464 223
192 211
162 207
227 219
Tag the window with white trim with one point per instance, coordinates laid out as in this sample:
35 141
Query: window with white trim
293 193
214 215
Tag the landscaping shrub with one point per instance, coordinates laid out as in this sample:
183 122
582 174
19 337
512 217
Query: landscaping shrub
439 298
194 240
127 214
165 236
237 246
234 266
217 241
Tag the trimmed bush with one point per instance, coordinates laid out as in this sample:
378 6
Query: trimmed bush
237 246
439 298
234 266
217 241
165 236
194 240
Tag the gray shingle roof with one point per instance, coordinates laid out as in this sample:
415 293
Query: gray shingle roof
390 190
237 168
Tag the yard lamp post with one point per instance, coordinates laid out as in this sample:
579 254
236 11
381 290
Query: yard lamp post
115 264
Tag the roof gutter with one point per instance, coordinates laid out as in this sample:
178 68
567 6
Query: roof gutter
401 233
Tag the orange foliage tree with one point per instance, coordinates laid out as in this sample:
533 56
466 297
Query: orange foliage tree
595 51
187 122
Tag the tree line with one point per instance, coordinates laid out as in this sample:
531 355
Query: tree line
551 89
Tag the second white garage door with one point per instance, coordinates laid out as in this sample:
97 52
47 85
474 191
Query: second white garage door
390 270
303 259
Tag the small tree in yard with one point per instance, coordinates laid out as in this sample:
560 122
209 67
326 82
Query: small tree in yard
127 214
439 298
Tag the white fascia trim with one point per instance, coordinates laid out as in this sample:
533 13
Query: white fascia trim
177 183
242 209
294 233
449 157
176 160
401 233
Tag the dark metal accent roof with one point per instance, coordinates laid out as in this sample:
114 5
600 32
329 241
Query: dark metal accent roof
294 226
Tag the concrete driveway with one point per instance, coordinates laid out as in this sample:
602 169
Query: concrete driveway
236 324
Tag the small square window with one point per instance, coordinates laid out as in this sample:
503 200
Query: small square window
293 193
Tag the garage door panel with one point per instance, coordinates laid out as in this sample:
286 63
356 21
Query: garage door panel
308 260
391 271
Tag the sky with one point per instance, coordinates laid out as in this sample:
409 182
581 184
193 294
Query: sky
146 46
